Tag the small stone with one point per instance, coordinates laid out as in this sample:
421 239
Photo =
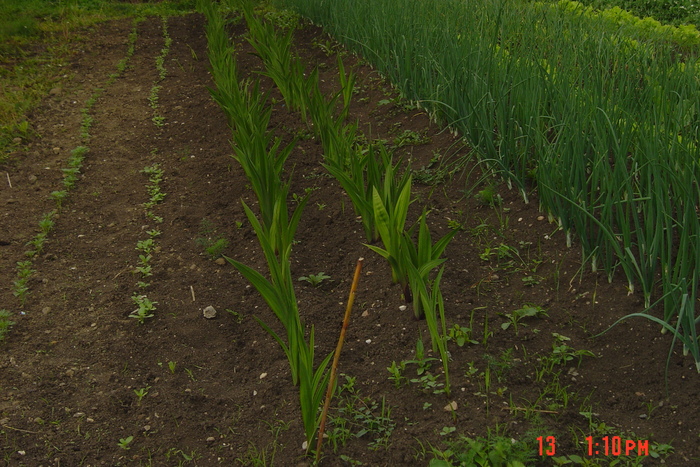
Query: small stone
211 439
263 375
365 314
540 218
56 91
402 307
78 414
46 310
32 179
209 312
368 341
451 407
220 261
90 420
147 428
56 150
643 416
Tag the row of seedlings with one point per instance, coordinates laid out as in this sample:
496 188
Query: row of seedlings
380 195
262 158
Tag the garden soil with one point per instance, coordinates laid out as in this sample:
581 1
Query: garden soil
82 383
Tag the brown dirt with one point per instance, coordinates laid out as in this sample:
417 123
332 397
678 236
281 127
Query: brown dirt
70 366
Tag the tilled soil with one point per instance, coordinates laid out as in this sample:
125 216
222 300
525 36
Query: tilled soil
77 375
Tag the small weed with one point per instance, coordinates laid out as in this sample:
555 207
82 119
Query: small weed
471 370
494 450
410 138
236 315
488 196
5 323
516 316
421 361
315 279
213 244
461 335
359 417
429 384
531 281
125 442
171 366
396 372
265 455
141 393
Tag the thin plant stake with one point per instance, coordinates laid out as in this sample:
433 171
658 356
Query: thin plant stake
336 357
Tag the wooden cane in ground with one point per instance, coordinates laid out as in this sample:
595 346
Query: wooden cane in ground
336 358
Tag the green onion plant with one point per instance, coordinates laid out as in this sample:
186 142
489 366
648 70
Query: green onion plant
602 110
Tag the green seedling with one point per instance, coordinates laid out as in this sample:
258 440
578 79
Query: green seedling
5 323
396 372
213 244
37 243
531 280
21 285
562 353
526 311
429 384
146 246
21 289
410 138
236 315
46 223
489 196
471 370
141 393
59 197
145 308
125 442
146 267
422 362
216 249
461 335
171 366
316 279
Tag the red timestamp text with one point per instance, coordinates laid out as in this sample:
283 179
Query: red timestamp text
616 446
605 446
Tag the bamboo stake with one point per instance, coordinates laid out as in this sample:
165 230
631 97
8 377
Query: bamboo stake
336 358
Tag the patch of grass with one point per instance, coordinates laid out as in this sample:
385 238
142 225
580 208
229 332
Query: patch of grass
491 450
358 417
213 243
